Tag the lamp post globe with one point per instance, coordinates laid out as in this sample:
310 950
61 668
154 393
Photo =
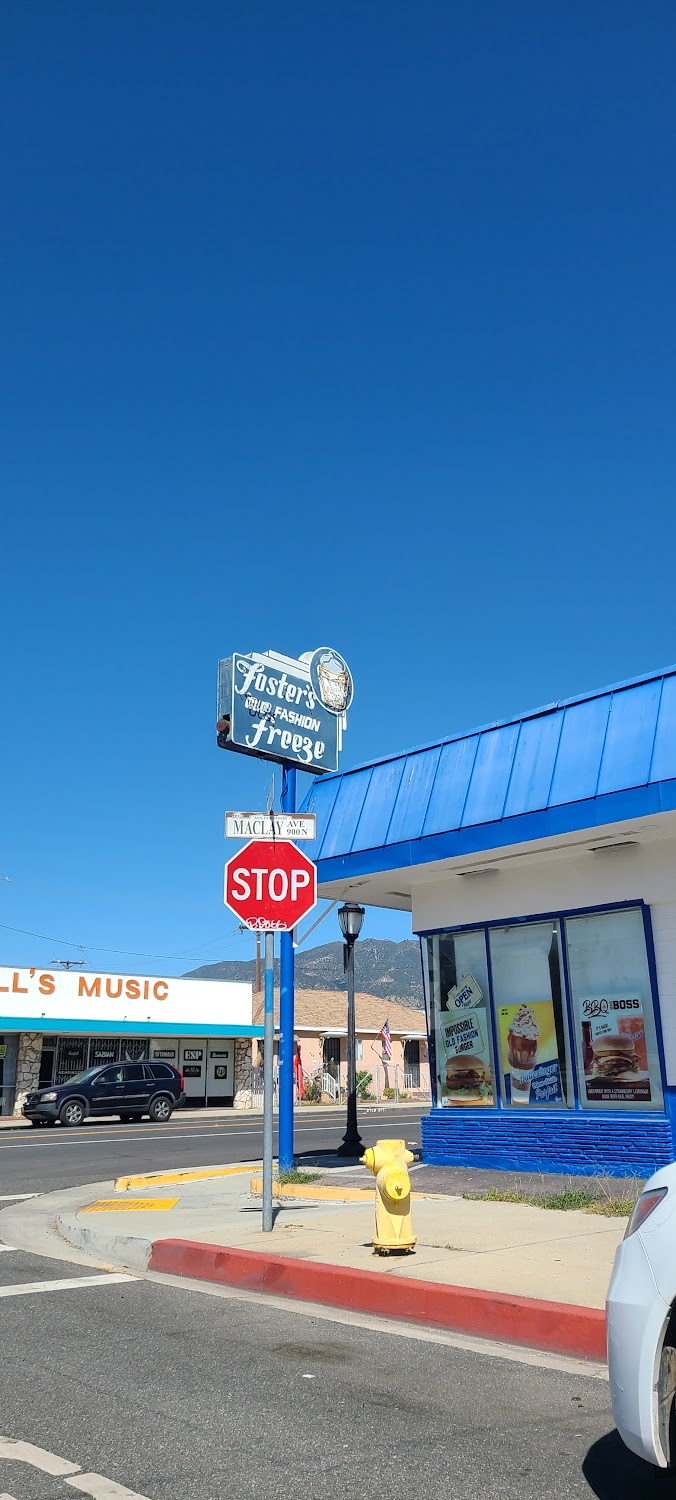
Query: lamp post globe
351 916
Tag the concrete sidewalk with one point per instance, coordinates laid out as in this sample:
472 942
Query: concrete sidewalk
503 1247
499 1270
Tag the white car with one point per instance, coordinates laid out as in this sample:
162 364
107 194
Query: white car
641 1319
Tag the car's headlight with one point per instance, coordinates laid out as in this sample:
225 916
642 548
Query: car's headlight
47 1098
643 1208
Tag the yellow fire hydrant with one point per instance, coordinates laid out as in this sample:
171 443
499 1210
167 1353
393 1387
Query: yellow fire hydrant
388 1161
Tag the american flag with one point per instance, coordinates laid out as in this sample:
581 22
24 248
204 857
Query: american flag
387 1040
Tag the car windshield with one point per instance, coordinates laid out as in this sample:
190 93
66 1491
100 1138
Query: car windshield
82 1077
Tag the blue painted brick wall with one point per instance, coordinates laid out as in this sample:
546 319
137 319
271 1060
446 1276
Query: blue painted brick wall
612 1145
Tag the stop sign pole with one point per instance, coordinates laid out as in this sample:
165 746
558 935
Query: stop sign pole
271 885
268 1078
286 1010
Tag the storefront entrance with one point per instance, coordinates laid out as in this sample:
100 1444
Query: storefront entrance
8 1051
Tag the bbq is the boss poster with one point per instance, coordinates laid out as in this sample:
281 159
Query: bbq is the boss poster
614 1052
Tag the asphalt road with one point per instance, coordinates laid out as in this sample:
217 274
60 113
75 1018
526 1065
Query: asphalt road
180 1394
40 1161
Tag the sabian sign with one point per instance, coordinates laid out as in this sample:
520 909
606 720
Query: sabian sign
249 825
282 709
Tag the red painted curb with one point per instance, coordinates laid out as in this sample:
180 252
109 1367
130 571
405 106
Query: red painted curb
557 1326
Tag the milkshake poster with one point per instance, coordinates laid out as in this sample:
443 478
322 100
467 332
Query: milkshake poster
530 1054
614 1053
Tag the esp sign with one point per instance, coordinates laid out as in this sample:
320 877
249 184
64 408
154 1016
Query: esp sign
270 885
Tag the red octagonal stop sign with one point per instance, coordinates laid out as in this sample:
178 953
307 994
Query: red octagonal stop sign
270 885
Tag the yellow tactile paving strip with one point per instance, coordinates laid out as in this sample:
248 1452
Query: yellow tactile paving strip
166 1179
128 1205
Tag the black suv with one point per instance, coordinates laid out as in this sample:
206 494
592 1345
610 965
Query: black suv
129 1090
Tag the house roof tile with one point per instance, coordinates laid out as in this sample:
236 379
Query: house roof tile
323 1010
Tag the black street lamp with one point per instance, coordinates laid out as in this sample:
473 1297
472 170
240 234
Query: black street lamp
351 917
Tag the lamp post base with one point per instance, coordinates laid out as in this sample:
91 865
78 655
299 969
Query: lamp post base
352 1146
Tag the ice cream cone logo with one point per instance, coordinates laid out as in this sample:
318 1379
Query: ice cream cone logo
332 680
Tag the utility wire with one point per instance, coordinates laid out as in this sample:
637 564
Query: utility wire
92 947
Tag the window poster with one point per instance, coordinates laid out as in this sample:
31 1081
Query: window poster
530 1054
614 1049
463 1046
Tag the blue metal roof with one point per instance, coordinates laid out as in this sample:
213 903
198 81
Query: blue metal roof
601 758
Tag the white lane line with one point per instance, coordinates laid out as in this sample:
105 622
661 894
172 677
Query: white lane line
38 1458
175 1136
68 1283
12 1197
5 1496
197 1128
101 1488
3 1249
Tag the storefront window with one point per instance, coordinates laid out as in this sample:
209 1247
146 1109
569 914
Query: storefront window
529 1015
459 1019
613 1022
505 1032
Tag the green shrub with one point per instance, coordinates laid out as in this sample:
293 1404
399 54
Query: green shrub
363 1081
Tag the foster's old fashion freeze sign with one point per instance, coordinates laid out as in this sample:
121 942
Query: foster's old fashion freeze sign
71 1000
285 709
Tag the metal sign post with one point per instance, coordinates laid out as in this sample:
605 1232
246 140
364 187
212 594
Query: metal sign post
268 1071
272 885
286 1010
291 710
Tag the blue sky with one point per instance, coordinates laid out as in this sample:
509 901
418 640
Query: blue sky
347 325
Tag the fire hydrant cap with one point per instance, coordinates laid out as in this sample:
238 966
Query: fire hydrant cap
368 1159
396 1182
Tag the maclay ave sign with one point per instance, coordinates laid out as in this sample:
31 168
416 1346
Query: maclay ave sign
282 709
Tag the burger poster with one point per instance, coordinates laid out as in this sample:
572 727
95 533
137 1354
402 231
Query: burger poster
463 1040
614 1053
530 1053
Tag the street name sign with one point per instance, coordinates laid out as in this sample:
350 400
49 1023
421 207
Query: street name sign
252 825
270 885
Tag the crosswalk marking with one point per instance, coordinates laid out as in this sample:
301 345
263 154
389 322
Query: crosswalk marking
103 1489
94 1485
38 1458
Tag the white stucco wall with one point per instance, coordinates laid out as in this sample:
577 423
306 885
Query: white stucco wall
562 881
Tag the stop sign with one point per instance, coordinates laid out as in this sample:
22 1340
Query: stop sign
270 885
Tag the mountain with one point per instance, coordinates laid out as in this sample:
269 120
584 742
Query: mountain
390 970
